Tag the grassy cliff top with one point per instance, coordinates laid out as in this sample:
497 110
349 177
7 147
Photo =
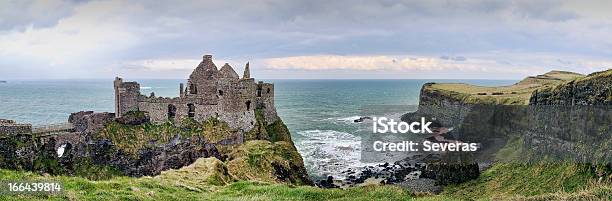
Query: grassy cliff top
516 94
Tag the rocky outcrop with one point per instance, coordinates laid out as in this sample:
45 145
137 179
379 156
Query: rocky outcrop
101 145
595 89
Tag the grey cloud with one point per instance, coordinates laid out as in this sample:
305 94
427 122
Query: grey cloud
457 58
248 29
20 14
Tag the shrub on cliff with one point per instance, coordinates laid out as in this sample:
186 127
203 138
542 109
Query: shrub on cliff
134 118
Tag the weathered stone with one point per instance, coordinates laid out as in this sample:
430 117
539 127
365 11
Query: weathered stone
88 122
134 118
9 127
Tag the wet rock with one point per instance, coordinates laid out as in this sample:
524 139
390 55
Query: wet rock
327 183
361 119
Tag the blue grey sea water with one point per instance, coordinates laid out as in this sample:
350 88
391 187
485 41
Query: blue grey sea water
319 113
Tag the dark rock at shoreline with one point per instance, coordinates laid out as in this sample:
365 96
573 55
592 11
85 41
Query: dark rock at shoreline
418 177
327 183
361 119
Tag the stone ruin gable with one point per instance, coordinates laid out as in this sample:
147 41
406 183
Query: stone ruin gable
202 82
228 72
9 127
265 101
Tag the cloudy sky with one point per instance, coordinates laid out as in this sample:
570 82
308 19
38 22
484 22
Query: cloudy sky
55 39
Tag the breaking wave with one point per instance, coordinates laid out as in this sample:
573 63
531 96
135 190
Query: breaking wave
329 152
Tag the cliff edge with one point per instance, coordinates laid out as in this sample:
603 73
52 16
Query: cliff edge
516 94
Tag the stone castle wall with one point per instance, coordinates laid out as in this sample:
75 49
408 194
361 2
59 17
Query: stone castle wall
209 93
9 127
13 129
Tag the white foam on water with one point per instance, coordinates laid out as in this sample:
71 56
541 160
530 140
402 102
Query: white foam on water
329 152
349 119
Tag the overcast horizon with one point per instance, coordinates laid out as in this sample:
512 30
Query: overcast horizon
360 39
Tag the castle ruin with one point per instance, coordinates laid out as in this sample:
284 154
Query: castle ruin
209 93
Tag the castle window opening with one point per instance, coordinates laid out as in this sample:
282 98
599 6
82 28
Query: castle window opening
171 112
268 90
191 110
220 92
258 92
193 89
248 105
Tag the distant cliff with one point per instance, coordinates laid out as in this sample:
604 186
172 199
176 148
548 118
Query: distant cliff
557 116
594 89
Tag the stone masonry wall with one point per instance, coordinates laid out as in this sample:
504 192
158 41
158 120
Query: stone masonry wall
12 129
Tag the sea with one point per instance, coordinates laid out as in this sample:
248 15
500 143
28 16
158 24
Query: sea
320 114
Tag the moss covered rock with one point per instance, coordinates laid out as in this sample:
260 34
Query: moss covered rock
204 171
266 161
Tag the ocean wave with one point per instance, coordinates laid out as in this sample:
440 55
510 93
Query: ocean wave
330 152
349 119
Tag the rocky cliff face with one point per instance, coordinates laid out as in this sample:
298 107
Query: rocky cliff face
103 146
567 118
595 89
571 121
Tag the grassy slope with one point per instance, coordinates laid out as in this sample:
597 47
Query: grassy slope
187 186
505 180
516 94
500 182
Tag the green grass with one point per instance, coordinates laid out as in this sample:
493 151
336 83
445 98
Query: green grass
500 182
131 139
160 188
512 179
516 94
255 161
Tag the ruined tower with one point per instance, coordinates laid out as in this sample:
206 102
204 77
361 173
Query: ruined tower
247 72
126 96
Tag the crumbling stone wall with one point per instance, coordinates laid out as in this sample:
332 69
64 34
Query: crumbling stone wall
88 122
209 93
9 127
126 96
